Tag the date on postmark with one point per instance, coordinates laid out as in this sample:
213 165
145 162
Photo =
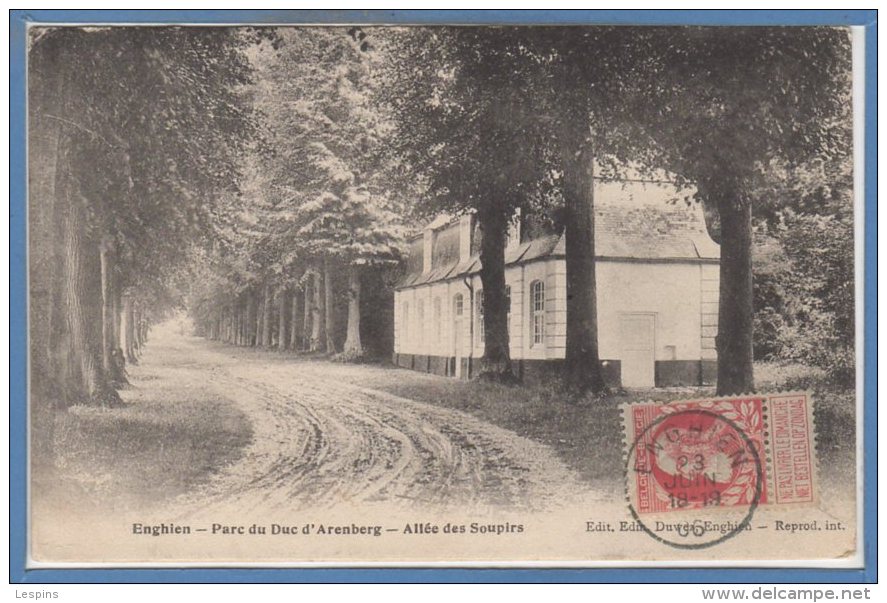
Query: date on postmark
726 454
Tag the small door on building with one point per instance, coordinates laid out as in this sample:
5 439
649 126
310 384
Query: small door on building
637 336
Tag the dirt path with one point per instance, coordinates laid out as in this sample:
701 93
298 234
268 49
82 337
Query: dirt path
320 442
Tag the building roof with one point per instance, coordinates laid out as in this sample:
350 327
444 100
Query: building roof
634 221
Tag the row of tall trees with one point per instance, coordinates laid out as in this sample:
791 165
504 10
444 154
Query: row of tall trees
320 210
133 133
368 125
517 117
743 112
263 176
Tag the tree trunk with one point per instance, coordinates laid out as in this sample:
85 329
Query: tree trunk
283 316
296 329
118 312
58 338
49 93
252 313
107 343
143 329
118 356
266 315
308 316
260 318
235 322
735 303
125 320
110 361
353 346
583 366
127 330
119 352
136 321
316 312
131 332
244 320
241 322
83 309
328 308
59 333
496 361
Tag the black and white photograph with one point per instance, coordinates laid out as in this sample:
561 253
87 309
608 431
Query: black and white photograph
436 294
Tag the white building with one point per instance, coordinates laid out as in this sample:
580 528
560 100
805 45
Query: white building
657 288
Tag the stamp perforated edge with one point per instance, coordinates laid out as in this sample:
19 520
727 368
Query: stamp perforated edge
629 436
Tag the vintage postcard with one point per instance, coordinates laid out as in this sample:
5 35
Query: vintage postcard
357 295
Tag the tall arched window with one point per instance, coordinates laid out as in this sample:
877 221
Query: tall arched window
479 297
537 313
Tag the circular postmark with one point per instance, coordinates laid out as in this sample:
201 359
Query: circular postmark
698 473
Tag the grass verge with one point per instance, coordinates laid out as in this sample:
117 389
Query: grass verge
160 443
587 433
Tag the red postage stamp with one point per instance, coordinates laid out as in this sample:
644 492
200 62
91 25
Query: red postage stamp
720 453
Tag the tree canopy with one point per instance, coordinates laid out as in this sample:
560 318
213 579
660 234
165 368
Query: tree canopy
263 175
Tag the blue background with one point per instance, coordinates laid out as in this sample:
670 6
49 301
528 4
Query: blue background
19 20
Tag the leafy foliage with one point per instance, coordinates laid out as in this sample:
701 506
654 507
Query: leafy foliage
217 158
808 312
327 184
739 105
320 187
161 129
465 103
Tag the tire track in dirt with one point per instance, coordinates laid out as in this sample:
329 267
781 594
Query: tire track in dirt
320 442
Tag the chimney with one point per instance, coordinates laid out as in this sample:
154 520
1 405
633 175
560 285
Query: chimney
427 249
514 224
466 229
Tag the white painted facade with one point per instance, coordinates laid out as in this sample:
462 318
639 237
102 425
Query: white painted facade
650 309
681 297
